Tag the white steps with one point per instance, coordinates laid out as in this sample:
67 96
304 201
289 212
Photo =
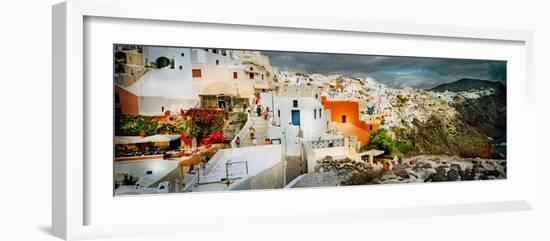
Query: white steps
260 126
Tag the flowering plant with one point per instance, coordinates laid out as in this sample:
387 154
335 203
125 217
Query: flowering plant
215 137
186 139
202 122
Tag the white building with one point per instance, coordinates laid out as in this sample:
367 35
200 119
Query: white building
168 58
258 68
167 85
182 78
220 79
298 116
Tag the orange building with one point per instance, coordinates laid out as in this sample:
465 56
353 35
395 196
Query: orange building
346 114
126 103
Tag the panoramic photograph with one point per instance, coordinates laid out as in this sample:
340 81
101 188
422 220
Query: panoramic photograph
190 119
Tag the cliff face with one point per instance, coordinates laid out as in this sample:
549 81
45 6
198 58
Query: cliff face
486 110
457 122
487 113
440 135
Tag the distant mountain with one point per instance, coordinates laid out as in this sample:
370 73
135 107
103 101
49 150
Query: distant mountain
466 84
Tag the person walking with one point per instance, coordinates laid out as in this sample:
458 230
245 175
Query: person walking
251 130
259 110
238 141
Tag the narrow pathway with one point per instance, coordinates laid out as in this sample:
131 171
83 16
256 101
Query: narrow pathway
293 168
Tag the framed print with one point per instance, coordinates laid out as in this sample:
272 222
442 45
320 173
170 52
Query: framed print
168 123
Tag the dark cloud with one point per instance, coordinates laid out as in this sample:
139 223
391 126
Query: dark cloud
398 72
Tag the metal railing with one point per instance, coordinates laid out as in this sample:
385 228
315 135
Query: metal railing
227 165
326 143
229 178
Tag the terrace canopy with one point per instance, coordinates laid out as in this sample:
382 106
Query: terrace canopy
157 138
124 140
219 88
243 89
121 140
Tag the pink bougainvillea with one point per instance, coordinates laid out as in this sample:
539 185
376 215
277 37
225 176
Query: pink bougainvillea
206 124
215 137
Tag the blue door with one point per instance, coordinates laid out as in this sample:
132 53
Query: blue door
296 117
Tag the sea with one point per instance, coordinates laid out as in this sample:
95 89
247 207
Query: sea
500 145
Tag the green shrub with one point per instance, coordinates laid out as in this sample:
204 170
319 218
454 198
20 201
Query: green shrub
132 126
167 129
381 140
404 147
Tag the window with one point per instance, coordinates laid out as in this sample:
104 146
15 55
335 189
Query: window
214 51
235 75
181 67
295 103
251 69
162 108
320 111
315 114
197 73
278 113
182 54
343 118
217 62
262 76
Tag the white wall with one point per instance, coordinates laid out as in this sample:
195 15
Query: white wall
166 87
201 56
153 106
312 127
151 53
26 199
266 100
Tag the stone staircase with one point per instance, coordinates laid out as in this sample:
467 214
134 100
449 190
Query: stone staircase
260 125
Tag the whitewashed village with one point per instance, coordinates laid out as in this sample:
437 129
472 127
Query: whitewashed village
197 120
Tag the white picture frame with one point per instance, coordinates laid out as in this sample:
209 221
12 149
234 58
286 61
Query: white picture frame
72 193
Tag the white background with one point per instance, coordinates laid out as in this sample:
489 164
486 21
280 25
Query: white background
26 113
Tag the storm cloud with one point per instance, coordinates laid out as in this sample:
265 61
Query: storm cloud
397 72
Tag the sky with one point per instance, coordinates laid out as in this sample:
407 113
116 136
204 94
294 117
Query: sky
396 72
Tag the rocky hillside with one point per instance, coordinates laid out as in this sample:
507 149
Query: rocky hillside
482 104
443 131
441 135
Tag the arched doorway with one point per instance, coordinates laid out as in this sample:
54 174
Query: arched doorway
162 62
